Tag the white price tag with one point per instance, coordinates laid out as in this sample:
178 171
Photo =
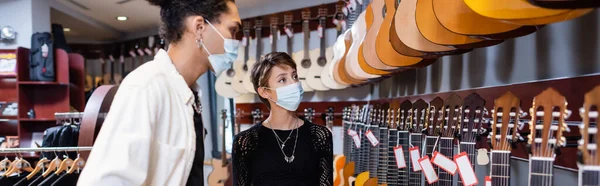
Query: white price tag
270 38
414 158
345 11
132 54
352 132
45 50
467 174
148 51
156 49
428 170
278 34
288 32
360 2
444 162
344 25
399 153
356 139
111 58
488 181
372 138
244 41
122 59
320 31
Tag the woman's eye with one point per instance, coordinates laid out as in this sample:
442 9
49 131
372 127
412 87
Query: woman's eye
281 80
295 77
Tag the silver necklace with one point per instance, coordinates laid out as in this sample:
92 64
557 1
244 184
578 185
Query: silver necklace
279 139
288 159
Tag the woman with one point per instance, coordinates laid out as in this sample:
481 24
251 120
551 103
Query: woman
153 134
283 149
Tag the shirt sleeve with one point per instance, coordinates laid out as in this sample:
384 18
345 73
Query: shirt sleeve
121 152
324 145
242 147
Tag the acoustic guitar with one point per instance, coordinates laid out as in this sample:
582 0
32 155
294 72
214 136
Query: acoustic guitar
367 51
432 30
407 31
505 120
220 174
390 50
417 124
305 62
433 127
561 4
522 12
339 68
471 122
353 57
224 83
247 81
328 75
314 78
589 157
448 128
239 65
548 113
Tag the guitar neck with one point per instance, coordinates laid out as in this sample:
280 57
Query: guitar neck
590 177
247 48
290 41
392 168
541 171
322 40
429 146
416 139
274 36
258 43
447 149
346 141
469 148
403 140
306 31
383 159
500 168
364 151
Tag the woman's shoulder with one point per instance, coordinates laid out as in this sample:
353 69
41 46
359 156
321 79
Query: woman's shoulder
247 136
318 131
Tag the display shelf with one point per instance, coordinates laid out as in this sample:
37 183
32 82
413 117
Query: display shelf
8 117
36 120
11 76
45 83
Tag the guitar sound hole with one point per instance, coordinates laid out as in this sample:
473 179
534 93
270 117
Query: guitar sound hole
321 62
230 72
305 63
245 67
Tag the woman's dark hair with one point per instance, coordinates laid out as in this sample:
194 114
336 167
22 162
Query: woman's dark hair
261 70
173 12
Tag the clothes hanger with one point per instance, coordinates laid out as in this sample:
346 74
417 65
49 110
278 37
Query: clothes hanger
12 167
39 167
65 164
52 166
78 164
5 163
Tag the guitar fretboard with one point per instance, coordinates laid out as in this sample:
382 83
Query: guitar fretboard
447 149
541 171
429 145
383 157
403 139
392 170
590 177
416 139
347 140
500 168
373 153
469 148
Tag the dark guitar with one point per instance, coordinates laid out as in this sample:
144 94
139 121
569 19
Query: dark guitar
449 128
590 159
432 127
382 160
473 110
418 119
505 117
404 118
392 169
546 129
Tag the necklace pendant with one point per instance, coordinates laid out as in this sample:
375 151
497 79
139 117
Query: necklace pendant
282 145
289 159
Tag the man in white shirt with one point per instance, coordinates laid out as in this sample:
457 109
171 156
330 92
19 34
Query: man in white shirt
149 136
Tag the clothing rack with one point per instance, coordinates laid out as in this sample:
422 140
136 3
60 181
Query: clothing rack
68 115
45 149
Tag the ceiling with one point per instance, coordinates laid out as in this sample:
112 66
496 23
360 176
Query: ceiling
143 18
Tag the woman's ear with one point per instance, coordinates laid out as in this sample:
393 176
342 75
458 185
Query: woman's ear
263 93
198 26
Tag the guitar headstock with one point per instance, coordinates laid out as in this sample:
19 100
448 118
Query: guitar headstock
224 114
256 115
339 14
589 128
434 116
322 14
246 29
548 113
258 23
309 114
287 19
473 110
452 110
390 118
306 14
419 109
405 116
507 111
274 20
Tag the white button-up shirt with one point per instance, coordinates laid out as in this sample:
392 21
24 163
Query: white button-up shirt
148 136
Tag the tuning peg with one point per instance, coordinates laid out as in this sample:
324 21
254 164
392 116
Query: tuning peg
557 151
579 157
568 113
528 148
523 114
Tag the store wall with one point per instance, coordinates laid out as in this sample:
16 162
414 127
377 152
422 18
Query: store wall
18 15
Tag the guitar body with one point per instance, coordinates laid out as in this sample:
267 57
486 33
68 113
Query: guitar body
347 173
328 75
340 67
338 166
298 57
408 32
511 9
473 24
353 58
238 79
373 19
361 179
572 14
247 81
385 39
314 77
219 174
371 182
223 84
561 4
433 31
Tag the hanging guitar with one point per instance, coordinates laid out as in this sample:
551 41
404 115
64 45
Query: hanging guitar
305 62
220 174
589 164
247 81
313 78
473 110
239 65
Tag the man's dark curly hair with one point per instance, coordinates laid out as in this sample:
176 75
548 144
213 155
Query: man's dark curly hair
173 12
